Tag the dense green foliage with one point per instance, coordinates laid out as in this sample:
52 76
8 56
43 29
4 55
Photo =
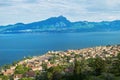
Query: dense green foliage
4 77
20 69
27 79
85 69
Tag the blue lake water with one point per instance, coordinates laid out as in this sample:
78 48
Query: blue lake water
15 46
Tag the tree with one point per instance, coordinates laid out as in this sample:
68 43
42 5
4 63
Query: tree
79 67
41 76
115 68
44 66
6 66
118 56
107 76
98 65
4 77
26 79
14 63
54 73
20 69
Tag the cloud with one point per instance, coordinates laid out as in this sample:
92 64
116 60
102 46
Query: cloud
13 11
103 5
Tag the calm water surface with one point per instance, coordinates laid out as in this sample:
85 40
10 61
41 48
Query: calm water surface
15 46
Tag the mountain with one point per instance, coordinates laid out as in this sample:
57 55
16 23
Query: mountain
61 24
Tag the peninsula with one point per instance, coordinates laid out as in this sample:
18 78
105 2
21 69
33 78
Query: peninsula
86 64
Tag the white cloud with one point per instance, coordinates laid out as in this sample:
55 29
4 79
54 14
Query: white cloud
13 11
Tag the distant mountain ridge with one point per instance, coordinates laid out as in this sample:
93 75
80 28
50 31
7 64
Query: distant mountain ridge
61 24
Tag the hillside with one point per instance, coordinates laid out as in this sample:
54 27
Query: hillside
98 63
61 24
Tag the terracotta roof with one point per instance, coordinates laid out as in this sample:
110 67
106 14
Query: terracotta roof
30 74
18 76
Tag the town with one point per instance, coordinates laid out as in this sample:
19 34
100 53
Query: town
55 58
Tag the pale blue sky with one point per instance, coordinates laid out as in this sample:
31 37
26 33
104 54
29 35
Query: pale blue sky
26 11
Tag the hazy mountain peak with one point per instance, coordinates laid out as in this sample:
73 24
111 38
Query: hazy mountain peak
19 24
61 17
61 24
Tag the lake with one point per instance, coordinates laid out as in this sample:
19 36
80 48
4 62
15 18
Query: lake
15 46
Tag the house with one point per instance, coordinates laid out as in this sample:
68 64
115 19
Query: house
37 68
8 72
12 67
30 74
17 76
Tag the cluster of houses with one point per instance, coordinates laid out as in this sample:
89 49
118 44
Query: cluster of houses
101 51
54 58
10 72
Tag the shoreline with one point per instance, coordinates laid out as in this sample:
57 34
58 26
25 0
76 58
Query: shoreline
55 51
60 58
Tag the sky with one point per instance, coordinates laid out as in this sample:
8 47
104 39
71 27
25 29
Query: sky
26 11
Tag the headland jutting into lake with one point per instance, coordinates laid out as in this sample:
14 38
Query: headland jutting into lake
65 61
